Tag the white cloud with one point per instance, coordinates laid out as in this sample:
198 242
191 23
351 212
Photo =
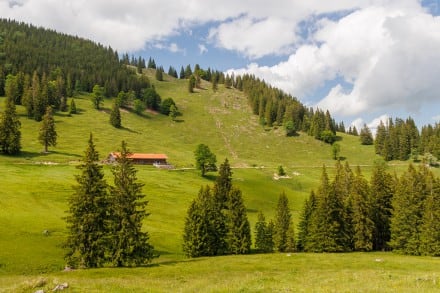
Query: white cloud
129 25
383 54
202 49
173 47
381 57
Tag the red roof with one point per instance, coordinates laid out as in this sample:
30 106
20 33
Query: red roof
140 156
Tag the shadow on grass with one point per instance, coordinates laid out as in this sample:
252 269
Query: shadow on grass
31 155
128 130
174 262
179 120
252 210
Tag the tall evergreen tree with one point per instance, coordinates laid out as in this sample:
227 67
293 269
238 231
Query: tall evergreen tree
366 136
48 134
238 237
263 236
282 222
381 185
205 228
129 245
363 225
223 184
115 116
88 214
430 230
408 207
305 221
10 135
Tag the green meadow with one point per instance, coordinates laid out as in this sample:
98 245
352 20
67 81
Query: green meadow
36 186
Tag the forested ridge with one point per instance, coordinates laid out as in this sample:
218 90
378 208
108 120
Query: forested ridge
82 63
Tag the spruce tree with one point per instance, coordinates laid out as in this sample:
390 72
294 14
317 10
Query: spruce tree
223 184
72 109
48 134
238 237
318 221
260 232
430 230
10 135
366 136
282 222
88 214
115 116
381 185
129 245
363 225
290 239
194 241
205 227
305 221
408 207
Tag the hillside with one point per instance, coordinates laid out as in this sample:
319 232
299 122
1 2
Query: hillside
36 186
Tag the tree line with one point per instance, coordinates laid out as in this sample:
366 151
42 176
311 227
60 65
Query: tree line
216 222
349 213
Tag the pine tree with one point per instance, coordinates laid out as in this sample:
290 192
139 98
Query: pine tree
238 237
366 137
261 239
10 135
305 221
381 185
282 222
363 226
430 230
318 221
115 116
48 134
128 243
329 229
223 184
72 109
408 207
205 228
87 214
290 239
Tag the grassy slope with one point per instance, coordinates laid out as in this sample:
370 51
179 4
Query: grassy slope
34 195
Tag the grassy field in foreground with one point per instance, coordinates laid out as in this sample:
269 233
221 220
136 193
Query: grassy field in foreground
348 272
36 186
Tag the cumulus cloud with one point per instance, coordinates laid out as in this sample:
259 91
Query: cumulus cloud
386 56
376 54
129 25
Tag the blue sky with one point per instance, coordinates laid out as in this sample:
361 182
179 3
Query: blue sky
362 60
